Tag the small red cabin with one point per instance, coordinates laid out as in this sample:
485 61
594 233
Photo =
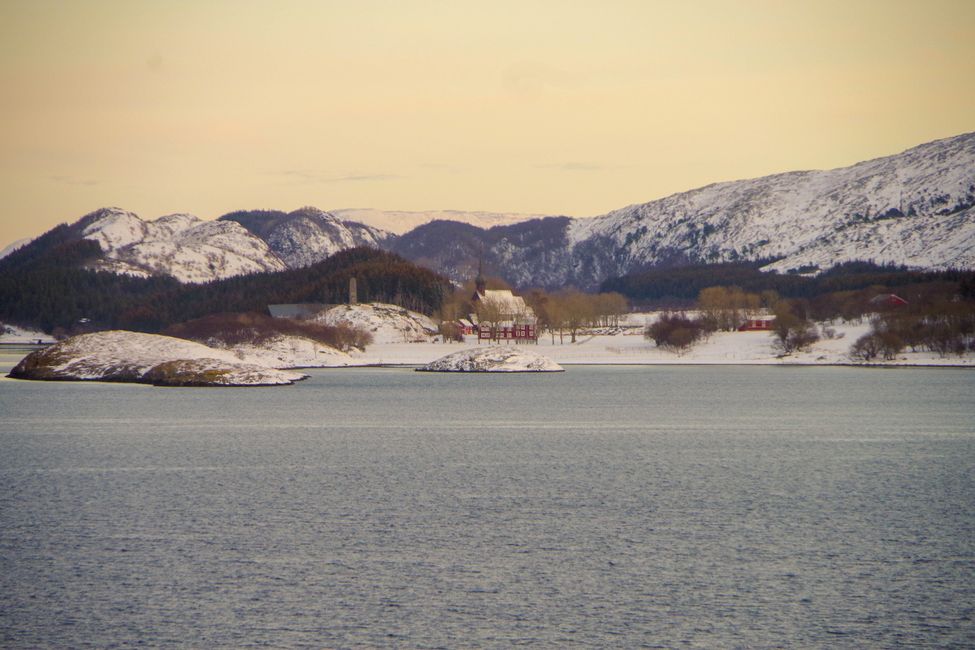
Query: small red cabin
887 300
757 325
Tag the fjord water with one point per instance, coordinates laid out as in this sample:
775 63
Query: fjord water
600 507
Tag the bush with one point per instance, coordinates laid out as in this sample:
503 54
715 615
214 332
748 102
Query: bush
792 332
866 348
450 331
873 344
676 332
256 328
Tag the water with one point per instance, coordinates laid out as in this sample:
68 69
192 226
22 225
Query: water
600 507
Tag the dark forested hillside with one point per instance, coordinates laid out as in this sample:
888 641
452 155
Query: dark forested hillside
34 292
530 253
684 283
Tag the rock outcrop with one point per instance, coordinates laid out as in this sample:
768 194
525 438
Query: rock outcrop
493 359
139 358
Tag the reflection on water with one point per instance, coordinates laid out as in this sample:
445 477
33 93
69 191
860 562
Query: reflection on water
596 507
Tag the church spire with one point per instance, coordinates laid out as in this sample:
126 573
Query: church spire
480 284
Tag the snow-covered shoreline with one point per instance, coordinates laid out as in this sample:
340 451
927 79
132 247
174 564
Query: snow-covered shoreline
625 347
631 348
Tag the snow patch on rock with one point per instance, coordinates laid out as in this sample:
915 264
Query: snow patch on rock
493 359
387 323
133 356
289 352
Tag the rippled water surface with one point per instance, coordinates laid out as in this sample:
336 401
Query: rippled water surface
600 507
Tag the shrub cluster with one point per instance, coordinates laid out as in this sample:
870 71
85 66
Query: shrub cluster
257 328
676 331
874 344
792 332
942 326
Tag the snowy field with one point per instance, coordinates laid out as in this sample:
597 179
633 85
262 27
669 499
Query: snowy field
754 348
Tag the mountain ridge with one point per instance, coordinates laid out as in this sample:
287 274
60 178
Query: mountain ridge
915 208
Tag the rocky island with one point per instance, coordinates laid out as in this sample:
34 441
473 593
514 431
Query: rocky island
134 357
493 359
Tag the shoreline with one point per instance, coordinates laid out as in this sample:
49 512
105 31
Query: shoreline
627 348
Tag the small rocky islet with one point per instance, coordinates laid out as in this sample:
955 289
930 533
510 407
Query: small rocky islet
493 359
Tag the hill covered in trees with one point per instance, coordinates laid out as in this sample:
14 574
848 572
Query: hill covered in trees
45 286
682 284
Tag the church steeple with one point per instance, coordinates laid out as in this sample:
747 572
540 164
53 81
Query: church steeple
480 284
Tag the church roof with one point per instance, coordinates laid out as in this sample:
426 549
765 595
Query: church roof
510 304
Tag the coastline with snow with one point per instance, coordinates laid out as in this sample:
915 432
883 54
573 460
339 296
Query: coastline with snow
628 347
404 339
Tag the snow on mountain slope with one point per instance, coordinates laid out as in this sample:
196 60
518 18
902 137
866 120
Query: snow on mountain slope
310 235
913 208
14 246
402 221
180 245
916 208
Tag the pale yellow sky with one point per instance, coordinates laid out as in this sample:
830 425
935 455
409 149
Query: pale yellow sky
552 107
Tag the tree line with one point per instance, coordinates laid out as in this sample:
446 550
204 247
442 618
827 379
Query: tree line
682 285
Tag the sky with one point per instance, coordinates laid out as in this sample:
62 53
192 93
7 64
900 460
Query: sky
559 107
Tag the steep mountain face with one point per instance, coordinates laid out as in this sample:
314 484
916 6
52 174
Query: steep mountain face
916 208
307 235
180 245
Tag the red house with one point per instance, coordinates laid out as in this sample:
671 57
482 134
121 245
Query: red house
887 300
757 325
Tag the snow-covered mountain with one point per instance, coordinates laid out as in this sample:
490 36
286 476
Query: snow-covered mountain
402 221
916 208
180 245
306 235
193 251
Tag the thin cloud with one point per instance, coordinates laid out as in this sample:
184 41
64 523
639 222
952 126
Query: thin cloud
70 180
576 167
310 177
